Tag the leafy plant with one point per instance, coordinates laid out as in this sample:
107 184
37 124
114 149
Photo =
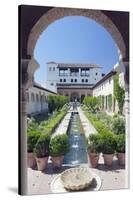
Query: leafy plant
32 137
53 122
119 93
92 103
120 143
42 146
110 101
32 124
118 125
56 102
59 145
94 145
108 142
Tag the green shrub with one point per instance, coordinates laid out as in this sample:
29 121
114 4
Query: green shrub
118 125
92 103
94 145
119 93
108 142
59 145
32 137
110 101
42 146
120 143
52 123
56 102
32 124
99 126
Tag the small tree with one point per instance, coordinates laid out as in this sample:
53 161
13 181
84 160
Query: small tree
119 93
92 103
55 102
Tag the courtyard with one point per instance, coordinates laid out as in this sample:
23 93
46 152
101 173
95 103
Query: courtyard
75 108
78 127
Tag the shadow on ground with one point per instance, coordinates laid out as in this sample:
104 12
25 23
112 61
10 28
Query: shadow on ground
115 167
13 190
49 170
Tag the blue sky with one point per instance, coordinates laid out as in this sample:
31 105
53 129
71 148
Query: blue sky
75 40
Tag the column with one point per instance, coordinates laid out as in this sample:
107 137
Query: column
27 69
127 120
124 82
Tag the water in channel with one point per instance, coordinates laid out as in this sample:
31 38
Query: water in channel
78 152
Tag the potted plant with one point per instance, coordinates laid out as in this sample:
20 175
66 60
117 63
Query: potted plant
41 151
94 149
108 145
32 137
118 125
59 146
120 148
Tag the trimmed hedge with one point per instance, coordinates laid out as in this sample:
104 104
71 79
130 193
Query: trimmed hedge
53 123
32 137
36 138
59 145
108 142
94 145
102 122
100 126
42 146
120 146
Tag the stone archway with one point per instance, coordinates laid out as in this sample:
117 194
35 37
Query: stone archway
58 13
75 97
82 97
29 65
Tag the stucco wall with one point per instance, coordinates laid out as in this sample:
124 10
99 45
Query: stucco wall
54 78
37 105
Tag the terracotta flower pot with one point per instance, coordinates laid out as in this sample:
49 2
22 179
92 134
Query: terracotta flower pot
42 163
94 158
108 159
121 158
57 161
31 161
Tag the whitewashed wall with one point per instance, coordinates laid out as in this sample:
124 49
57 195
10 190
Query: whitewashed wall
37 104
53 76
106 88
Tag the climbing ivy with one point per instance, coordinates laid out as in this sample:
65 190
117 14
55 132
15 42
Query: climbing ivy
102 103
110 101
119 93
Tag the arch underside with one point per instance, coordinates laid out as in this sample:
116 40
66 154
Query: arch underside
58 13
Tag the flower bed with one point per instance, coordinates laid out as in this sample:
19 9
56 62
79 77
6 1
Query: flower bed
103 123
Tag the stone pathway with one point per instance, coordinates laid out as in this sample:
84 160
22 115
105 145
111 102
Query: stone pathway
87 126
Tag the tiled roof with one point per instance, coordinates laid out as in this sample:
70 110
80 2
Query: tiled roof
70 65
111 73
42 88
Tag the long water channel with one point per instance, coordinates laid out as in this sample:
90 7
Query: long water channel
78 151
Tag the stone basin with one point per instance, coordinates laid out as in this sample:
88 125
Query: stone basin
76 178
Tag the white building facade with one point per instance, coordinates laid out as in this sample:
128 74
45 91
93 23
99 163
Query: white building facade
73 80
37 99
104 89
